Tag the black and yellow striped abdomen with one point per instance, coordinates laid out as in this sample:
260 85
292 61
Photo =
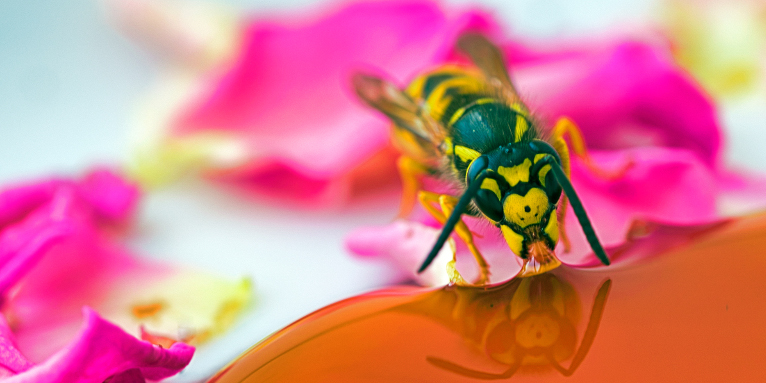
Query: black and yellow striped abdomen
476 119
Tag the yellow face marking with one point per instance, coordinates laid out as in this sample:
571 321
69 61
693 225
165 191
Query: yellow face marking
540 156
466 154
526 210
516 174
490 184
514 239
552 228
521 126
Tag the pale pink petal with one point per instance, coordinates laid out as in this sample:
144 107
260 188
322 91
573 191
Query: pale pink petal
288 93
406 243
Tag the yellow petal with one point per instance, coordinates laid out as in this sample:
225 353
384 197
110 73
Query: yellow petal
184 305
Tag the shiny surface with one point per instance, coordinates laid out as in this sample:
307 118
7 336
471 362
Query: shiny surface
693 314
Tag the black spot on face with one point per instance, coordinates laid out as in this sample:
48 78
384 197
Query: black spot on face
527 209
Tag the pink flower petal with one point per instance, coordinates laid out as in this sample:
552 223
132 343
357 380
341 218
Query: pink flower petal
12 361
36 220
49 288
287 95
625 95
406 243
60 251
102 350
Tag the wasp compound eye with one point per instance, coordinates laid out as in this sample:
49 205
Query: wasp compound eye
477 166
489 204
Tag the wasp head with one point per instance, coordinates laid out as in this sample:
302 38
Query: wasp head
520 196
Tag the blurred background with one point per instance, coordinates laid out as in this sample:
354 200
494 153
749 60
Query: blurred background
71 80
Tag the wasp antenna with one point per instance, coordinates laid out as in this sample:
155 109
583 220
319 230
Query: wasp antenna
579 210
453 219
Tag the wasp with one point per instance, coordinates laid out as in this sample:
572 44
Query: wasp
466 125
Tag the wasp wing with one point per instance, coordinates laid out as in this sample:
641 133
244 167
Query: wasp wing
398 106
487 57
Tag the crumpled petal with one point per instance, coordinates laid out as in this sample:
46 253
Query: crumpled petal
102 350
287 96
12 361
406 243
60 250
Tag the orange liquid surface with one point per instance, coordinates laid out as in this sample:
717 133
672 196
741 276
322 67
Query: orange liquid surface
693 314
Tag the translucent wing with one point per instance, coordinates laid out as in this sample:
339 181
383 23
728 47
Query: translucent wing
398 106
487 57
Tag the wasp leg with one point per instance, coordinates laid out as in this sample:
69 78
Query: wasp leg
563 150
447 204
454 275
410 171
565 126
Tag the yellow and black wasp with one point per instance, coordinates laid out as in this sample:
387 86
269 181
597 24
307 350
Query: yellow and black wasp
468 126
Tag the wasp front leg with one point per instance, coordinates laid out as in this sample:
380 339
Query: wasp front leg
446 206
567 127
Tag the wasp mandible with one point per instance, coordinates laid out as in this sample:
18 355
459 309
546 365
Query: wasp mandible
467 126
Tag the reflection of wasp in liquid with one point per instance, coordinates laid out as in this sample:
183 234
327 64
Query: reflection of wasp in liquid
537 327
469 127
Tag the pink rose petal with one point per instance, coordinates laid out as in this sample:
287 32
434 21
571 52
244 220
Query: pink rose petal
102 350
288 97
625 95
57 254
12 362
